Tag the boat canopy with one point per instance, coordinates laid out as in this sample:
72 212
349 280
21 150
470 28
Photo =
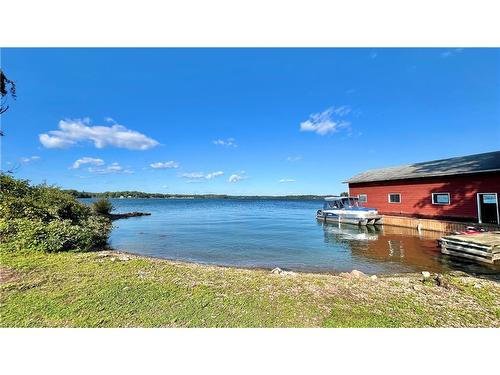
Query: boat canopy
340 202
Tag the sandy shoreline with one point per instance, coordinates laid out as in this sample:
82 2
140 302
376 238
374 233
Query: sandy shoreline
489 276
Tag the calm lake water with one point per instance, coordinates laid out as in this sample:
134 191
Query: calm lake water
272 233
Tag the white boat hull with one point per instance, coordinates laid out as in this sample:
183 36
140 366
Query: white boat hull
348 218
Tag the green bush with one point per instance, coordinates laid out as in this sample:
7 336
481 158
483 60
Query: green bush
102 206
45 218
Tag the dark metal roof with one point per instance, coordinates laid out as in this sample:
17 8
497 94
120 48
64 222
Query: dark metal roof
487 162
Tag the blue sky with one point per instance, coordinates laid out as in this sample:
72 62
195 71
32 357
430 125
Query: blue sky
242 121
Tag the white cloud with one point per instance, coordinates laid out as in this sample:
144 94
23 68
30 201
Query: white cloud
201 176
343 110
98 166
87 160
286 180
294 158
323 123
193 175
72 132
214 174
451 52
113 168
237 177
30 159
230 142
165 165
54 142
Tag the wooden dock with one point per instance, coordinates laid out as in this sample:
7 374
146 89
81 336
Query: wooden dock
444 226
482 247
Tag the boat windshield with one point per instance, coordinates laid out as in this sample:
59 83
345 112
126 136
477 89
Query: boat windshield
346 202
333 205
350 202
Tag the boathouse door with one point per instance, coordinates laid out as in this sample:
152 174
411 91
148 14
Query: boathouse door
487 206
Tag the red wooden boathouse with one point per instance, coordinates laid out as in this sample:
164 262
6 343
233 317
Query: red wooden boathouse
463 189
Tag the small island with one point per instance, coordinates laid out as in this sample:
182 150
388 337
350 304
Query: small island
103 207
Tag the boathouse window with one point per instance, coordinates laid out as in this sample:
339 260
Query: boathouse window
394 198
362 198
440 198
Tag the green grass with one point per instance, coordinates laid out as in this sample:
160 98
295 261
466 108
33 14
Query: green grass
90 290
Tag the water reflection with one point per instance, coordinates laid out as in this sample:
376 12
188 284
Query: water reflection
406 246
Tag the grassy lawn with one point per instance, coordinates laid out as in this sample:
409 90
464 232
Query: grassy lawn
100 290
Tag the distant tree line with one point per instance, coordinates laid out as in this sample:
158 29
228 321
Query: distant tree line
140 194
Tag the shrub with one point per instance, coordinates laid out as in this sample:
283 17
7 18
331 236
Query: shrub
43 217
102 206
56 235
19 199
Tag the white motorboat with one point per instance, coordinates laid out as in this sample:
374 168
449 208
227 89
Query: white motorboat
348 210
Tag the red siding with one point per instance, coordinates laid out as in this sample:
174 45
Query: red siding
416 195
